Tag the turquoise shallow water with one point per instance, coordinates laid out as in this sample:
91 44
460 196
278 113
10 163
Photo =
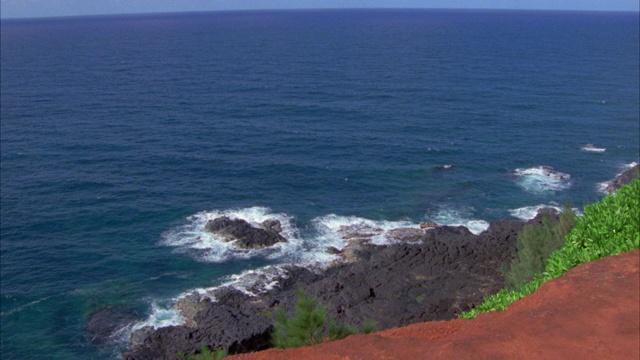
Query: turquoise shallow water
115 130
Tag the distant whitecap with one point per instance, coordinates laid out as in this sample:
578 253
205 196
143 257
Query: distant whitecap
592 148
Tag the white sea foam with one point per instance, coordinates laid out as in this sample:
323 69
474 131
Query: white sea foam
453 217
529 212
334 229
193 239
542 179
603 186
330 230
258 281
592 148
161 316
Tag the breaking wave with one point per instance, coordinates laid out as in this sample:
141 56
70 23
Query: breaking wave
542 179
192 238
453 217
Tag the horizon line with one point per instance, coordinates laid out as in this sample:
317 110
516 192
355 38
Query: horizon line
313 9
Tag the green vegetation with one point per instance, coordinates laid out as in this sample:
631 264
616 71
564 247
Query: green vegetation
206 354
535 245
607 228
306 326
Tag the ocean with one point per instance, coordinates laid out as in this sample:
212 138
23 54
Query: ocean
122 135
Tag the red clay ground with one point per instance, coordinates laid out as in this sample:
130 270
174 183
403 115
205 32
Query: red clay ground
591 312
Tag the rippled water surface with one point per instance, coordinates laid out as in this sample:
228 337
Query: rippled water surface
122 135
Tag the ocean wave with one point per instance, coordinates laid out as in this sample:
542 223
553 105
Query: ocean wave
311 252
604 186
160 316
334 230
192 238
529 212
457 217
592 148
542 179
253 282
250 282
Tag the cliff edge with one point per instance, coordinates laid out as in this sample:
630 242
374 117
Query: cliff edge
591 312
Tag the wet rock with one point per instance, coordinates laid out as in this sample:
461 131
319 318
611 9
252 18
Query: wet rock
427 225
272 226
244 235
139 336
333 251
104 324
405 234
358 232
448 271
189 306
624 179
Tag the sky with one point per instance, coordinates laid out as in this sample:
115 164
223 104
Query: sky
48 8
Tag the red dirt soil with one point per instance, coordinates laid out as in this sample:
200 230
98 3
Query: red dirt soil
591 312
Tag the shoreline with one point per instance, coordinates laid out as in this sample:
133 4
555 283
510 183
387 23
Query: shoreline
383 283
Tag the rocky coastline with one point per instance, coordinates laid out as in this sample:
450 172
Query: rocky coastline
429 273
433 273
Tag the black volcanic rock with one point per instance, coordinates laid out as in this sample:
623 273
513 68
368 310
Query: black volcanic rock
445 271
624 179
104 324
245 235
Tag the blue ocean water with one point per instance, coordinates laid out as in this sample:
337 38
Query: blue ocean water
121 135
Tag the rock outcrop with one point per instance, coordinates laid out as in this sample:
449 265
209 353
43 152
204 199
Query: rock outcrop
623 179
245 235
439 273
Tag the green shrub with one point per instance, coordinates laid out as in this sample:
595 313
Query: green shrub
206 354
306 326
339 331
606 228
368 327
535 243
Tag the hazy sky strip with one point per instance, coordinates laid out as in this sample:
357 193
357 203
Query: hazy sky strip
48 8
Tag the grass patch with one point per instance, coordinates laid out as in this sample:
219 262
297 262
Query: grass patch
606 228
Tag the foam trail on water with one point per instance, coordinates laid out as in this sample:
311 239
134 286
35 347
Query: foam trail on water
592 148
204 246
542 179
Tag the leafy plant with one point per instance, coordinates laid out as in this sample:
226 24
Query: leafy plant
607 228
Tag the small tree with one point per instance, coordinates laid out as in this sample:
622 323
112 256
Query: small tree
304 328
535 244
307 325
